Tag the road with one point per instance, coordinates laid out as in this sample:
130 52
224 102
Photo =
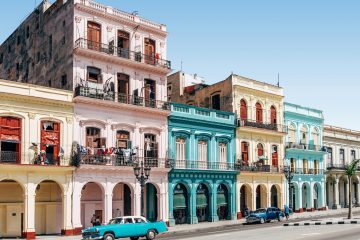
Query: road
326 232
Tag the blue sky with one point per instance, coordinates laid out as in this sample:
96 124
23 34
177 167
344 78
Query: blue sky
314 45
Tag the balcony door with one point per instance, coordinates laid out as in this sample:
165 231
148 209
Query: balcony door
50 141
259 113
273 115
10 139
243 110
274 156
94 36
149 51
245 153
150 146
123 44
123 88
150 93
202 154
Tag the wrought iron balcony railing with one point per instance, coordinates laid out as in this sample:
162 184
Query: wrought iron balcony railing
123 53
262 125
9 157
312 147
203 165
122 161
258 168
312 171
121 98
333 166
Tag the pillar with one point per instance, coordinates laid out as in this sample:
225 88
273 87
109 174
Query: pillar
346 194
232 201
76 213
193 218
108 205
213 217
336 194
310 201
67 229
357 194
298 201
29 212
254 197
171 206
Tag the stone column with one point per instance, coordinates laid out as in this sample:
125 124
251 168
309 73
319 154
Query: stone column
67 228
357 194
254 197
160 206
336 194
108 206
193 218
346 194
311 198
171 206
298 196
213 217
29 212
76 213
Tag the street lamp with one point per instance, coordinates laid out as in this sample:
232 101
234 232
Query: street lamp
289 176
142 174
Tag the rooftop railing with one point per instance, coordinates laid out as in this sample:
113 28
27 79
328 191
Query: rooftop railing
121 98
313 171
262 125
311 147
123 53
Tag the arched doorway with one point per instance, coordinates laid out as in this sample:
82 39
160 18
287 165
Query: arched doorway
48 208
11 209
202 203
10 140
261 197
245 199
180 204
343 191
305 196
151 202
316 196
92 203
122 198
274 196
222 202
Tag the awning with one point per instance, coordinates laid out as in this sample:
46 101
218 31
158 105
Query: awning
179 201
221 199
201 200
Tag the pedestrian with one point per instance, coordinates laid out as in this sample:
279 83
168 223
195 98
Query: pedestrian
287 211
93 220
246 210
97 222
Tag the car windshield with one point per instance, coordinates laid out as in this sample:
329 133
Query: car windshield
261 210
115 221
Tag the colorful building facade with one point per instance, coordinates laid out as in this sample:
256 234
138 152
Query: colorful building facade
202 183
305 155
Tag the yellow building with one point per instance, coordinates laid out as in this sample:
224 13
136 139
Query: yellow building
35 144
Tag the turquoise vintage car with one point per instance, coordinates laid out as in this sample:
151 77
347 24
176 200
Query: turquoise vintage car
125 227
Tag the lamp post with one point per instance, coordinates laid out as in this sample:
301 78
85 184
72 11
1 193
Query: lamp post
289 176
142 174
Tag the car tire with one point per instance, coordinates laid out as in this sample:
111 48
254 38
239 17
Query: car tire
109 236
150 235
262 220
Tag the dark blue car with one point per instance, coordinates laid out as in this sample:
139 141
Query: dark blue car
263 215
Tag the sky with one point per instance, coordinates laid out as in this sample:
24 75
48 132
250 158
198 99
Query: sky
314 46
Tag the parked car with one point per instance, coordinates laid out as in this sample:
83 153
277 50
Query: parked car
263 215
125 227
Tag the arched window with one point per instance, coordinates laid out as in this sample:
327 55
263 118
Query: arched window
315 136
273 115
94 139
180 149
150 146
243 110
93 36
274 156
149 51
245 153
259 113
291 133
222 152
123 44
260 150
304 135
10 139
123 139
50 141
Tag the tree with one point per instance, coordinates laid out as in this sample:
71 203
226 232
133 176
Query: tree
350 171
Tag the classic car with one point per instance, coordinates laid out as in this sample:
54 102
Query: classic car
125 227
263 215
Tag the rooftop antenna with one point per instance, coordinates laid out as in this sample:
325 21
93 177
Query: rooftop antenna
278 83
181 66
135 13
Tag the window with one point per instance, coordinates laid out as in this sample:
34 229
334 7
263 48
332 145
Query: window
243 110
94 75
50 141
292 165
304 135
305 166
93 139
64 80
10 139
93 36
123 139
274 155
330 154
222 152
180 148
150 93
18 40
260 150
50 46
316 167
353 155
291 133
63 41
123 87
128 220
259 113
139 220
123 44
149 51
9 48
202 151
151 146
342 156
169 89
215 102
245 153
315 136
273 115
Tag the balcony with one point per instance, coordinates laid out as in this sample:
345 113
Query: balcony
121 161
259 168
311 147
307 171
203 165
333 166
261 125
97 93
123 54
9 157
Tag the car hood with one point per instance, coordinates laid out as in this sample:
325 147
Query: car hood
94 229
257 215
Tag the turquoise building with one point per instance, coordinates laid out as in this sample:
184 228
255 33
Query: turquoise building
202 183
304 154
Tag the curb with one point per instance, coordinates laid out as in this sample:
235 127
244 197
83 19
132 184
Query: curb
320 223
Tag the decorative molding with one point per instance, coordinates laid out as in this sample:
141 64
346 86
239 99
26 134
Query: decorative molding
78 19
32 115
153 130
109 28
92 123
123 126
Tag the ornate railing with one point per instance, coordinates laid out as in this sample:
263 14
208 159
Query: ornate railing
110 49
332 166
9 157
311 147
262 125
258 168
313 171
121 98
116 160
203 165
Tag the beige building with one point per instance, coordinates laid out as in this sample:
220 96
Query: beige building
260 134
36 126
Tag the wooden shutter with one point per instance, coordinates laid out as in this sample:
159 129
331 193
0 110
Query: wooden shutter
102 142
273 115
243 110
89 141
